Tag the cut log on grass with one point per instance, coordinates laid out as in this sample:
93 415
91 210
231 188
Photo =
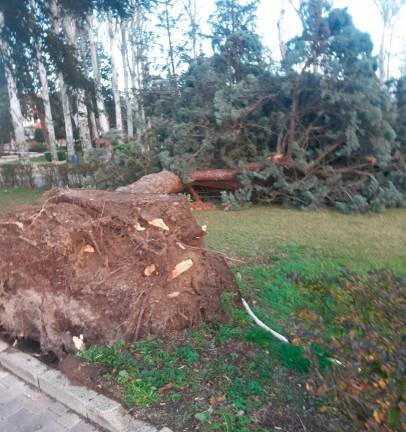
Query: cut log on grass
107 266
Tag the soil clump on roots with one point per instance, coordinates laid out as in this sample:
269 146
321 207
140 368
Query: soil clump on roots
106 265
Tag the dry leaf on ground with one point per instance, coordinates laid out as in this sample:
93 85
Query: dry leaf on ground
165 387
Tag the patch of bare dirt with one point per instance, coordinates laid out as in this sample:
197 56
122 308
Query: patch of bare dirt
106 265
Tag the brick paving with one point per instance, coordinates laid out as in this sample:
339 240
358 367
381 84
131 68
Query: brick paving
25 409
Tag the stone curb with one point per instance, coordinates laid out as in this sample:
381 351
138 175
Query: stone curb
97 408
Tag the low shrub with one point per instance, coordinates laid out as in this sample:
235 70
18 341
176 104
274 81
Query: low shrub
362 323
16 174
61 175
39 147
62 155
39 135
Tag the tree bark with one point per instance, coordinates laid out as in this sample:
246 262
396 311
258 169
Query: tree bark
190 7
138 108
47 104
103 118
84 132
94 131
45 93
70 142
66 108
292 122
124 55
170 42
139 46
164 182
15 107
114 75
281 32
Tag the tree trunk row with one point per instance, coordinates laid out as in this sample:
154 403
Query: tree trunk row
17 117
91 123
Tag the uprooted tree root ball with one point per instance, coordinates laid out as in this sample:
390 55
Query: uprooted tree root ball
106 265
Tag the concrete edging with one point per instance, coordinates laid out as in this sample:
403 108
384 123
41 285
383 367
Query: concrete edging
97 408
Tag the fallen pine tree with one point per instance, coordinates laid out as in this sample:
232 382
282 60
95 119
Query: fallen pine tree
363 186
166 182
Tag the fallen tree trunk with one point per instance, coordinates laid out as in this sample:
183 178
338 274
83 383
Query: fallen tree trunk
294 182
166 182
222 175
109 266
163 182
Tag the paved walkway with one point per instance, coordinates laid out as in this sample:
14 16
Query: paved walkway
23 409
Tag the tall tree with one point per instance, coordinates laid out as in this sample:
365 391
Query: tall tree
388 10
15 107
66 106
168 21
83 123
125 61
94 130
401 113
112 31
49 122
191 12
140 39
102 114
91 88
234 37
6 130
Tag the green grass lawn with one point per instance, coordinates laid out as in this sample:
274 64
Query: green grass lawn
13 197
39 160
356 241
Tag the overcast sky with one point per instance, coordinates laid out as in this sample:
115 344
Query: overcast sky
364 12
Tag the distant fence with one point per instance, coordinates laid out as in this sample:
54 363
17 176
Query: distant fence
51 175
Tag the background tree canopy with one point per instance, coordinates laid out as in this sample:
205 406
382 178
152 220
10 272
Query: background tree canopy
327 129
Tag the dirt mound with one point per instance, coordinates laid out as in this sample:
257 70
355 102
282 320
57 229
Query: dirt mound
108 266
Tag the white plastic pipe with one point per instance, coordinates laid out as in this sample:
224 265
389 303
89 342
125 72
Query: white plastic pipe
263 325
